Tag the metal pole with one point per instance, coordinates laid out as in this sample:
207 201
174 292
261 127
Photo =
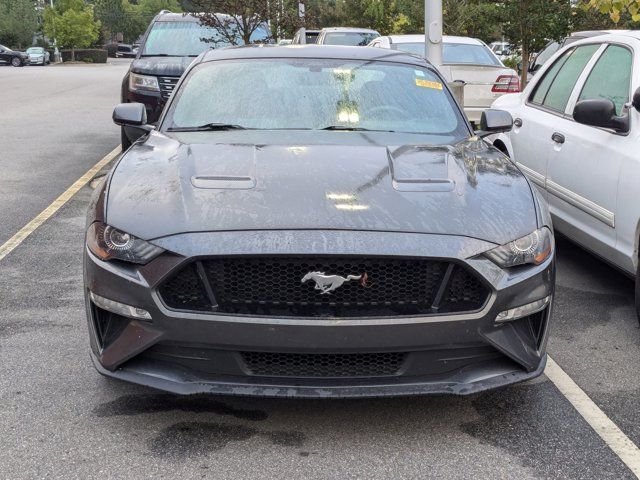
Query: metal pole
433 31
56 52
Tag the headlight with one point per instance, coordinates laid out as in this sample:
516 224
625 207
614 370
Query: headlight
534 249
109 243
143 83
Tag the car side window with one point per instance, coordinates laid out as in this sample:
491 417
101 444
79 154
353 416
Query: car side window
555 88
602 84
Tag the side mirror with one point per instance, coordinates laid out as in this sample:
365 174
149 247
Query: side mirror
494 121
600 112
133 118
130 114
636 100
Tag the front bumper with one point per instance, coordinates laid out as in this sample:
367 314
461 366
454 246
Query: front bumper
199 352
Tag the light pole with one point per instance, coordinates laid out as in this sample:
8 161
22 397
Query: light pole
56 53
433 31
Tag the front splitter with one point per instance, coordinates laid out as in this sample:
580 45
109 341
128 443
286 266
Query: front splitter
170 382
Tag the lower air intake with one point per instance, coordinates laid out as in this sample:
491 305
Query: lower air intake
327 365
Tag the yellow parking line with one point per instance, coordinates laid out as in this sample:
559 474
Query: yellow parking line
615 438
7 247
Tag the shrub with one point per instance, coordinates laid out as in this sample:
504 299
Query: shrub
89 55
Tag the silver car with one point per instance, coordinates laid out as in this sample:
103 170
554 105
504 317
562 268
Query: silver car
38 56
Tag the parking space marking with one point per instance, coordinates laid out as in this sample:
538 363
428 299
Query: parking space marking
10 245
615 438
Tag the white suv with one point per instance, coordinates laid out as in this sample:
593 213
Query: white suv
577 137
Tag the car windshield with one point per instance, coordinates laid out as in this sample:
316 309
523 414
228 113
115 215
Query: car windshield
354 39
456 53
35 50
6 49
316 94
183 39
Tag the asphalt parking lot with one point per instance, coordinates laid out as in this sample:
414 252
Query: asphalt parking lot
60 419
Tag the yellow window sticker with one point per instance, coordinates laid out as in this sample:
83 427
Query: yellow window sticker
428 84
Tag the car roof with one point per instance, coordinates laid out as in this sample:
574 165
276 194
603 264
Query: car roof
175 17
607 35
348 29
445 39
312 51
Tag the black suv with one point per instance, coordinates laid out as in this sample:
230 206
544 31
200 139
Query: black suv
17 59
169 46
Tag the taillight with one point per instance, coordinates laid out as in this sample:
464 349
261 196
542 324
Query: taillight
506 84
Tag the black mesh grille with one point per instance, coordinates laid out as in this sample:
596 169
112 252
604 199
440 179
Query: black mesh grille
167 84
323 364
185 291
379 286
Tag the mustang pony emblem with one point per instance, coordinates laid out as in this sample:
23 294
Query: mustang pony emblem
328 283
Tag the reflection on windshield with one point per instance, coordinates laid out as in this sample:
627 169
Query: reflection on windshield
183 39
353 39
314 94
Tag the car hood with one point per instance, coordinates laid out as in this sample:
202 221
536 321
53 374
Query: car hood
212 181
161 66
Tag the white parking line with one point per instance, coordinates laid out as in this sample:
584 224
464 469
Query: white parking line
621 445
7 247
615 438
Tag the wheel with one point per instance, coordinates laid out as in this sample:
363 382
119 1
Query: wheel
16 62
124 140
638 293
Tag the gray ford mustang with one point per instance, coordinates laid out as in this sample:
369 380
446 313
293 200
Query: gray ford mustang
316 221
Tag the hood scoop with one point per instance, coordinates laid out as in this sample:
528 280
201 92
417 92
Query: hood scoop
420 168
223 167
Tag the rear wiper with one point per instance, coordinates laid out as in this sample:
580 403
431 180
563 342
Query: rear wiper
207 127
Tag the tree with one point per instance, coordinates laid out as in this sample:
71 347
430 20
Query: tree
473 18
72 24
615 8
532 23
18 22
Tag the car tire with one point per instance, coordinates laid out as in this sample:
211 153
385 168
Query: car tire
638 293
124 140
16 62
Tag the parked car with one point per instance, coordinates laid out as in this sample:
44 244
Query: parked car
552 47
11 57
576 133
285 41
354 37
502 50
316 222
124 50
469 60
38 56
310 36
169 45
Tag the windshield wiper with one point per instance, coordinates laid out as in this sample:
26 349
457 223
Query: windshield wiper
346 128
207 127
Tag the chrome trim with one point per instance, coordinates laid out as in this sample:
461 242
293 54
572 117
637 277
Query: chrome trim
534 176
581 203
326 322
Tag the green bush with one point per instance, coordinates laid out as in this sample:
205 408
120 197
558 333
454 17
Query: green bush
88 55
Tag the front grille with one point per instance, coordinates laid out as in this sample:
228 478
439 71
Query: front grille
167 84
327 365
272 286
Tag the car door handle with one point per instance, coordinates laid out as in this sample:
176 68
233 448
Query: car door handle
557 137
518 122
